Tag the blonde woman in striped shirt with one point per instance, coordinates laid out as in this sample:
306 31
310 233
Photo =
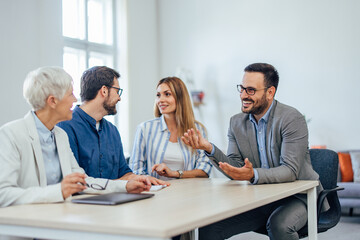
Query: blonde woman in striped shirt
158 150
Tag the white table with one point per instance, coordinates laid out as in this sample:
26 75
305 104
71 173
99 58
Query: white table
185 205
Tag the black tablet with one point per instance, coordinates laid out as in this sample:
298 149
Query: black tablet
215 163
112 198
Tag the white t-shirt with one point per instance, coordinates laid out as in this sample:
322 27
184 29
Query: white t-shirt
173 158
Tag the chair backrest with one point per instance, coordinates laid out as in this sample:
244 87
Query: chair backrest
325 162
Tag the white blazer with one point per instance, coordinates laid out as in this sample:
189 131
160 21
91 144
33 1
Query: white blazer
22 170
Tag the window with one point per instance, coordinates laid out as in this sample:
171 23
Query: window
89 38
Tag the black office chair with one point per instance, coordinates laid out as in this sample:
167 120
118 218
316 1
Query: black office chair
325 162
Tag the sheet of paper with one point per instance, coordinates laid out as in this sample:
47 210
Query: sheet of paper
155 188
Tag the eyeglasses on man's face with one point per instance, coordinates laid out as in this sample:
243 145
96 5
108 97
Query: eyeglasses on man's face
119 90
249 90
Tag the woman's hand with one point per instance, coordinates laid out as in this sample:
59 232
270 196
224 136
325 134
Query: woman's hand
152 180
73 183
164 170
155 181
138 185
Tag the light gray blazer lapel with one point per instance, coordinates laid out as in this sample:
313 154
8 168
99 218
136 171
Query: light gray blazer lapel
63 151
269 138
35 143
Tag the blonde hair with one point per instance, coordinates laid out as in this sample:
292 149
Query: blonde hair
184 114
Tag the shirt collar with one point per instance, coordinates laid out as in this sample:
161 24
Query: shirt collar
44 133
163 123
87 117
265 117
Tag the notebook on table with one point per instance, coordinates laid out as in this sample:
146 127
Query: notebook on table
112 198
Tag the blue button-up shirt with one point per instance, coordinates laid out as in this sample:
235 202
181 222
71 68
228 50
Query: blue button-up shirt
98 152
260 129
49 152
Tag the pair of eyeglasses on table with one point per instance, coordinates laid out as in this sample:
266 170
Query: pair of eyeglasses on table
97 186
94 186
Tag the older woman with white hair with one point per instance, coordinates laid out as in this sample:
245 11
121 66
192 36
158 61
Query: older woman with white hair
37 164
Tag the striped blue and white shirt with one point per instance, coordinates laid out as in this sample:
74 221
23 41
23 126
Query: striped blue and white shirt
151 140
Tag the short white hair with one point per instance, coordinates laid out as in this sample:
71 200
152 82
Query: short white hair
43 82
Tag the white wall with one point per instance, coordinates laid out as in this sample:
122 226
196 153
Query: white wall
143 62
313 44
29 39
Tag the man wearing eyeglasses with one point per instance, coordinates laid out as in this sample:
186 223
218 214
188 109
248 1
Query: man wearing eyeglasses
268 143
96 142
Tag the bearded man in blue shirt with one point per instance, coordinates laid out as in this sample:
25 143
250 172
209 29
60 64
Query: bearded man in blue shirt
95 142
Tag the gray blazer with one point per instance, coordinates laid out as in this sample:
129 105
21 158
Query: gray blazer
286 146
22 175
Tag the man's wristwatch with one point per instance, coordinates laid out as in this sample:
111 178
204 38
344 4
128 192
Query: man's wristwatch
180 173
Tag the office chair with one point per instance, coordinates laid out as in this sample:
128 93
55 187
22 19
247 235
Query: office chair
325 162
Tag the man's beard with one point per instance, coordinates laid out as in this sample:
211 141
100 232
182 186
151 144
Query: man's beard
258 107
110 108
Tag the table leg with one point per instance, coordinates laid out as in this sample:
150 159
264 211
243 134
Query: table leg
312 213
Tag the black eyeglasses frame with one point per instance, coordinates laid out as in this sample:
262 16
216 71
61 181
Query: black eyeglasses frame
98 186
119 90
249 90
